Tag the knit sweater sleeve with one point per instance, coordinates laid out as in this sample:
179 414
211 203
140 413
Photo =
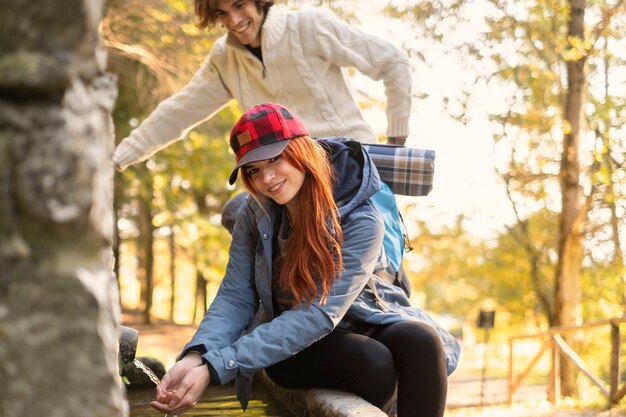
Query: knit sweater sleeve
199 100
347 46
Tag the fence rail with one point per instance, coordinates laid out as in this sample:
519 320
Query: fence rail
553 341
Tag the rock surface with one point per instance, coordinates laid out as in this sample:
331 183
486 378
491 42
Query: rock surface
59 301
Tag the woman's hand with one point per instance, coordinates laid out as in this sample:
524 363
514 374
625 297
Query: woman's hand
182 386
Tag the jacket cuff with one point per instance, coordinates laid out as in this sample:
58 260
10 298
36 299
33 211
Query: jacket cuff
215 378
124 156
199 349
224 364
398 126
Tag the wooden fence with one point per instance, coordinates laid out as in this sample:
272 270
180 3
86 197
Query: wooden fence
554 343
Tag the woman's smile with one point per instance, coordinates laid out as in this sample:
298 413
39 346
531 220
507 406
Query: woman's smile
276 188
276 178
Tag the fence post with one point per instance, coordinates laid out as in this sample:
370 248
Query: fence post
615 366
554 389
510 382
486 320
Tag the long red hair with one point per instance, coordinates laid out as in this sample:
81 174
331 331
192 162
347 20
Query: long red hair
313 255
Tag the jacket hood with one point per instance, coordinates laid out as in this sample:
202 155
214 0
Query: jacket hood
348 157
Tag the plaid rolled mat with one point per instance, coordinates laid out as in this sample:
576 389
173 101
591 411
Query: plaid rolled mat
407 171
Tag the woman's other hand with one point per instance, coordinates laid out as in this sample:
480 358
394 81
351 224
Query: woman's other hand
182 386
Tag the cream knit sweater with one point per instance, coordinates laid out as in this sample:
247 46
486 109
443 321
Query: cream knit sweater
304 53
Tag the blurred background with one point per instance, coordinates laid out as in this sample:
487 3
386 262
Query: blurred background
512 226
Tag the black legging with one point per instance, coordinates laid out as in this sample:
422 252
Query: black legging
408 353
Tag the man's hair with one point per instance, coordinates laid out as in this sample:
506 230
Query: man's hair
206 11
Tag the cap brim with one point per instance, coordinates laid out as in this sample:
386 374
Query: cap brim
258 154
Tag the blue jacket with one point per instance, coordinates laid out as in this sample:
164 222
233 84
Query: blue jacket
244 300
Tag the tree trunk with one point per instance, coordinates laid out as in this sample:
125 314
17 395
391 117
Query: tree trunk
59 302
172 246
572 218
116 233
145 251
200 304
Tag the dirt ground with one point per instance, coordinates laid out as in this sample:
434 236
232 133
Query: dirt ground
532 409
163 340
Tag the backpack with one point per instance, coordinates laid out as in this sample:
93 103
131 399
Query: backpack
395 240
403 171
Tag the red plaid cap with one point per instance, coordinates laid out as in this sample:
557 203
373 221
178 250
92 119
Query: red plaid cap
262 133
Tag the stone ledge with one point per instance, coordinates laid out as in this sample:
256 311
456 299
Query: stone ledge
321 402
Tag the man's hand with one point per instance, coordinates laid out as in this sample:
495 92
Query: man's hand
396 140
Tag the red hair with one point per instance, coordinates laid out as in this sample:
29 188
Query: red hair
313 255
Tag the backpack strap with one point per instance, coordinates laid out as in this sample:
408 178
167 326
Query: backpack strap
393 241
399 278
402 281
405 234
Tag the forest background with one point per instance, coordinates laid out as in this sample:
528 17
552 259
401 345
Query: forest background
524 102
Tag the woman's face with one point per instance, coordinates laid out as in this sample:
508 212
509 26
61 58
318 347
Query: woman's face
277 179
242 19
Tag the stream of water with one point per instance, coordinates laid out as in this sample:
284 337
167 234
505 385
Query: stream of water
147 371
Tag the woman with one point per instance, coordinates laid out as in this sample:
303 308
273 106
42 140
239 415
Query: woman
304 259
295 58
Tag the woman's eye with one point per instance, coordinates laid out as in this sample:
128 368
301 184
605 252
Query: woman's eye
251 171
274 159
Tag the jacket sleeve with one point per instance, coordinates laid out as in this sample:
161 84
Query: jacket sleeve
202 97
304 324
347 46
236 301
